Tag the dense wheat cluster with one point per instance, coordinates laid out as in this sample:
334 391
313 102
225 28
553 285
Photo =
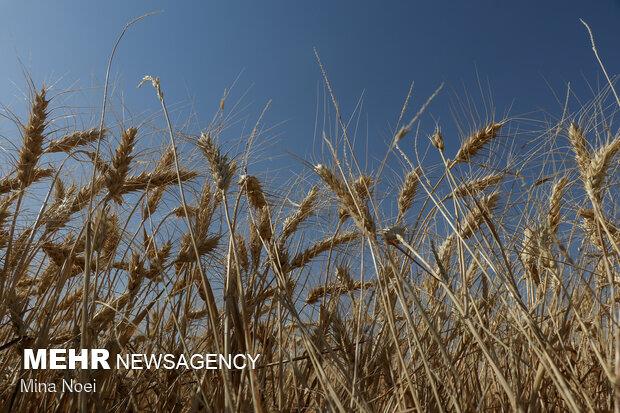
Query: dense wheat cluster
476 278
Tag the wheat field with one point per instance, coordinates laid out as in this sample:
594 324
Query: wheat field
471 280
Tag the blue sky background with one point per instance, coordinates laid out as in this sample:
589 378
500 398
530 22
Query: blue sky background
525 50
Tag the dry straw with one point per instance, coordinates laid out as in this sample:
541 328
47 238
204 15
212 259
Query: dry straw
519 294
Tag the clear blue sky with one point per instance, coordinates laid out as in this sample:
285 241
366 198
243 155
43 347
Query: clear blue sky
199 47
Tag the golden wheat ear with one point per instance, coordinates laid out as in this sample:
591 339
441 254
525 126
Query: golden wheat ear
75 139
305 210
350 203
408 191
117 173
363 187
473 187
222 169
33 132
579 144
437 139
555 200
596 172
322 246
253 190
475 142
